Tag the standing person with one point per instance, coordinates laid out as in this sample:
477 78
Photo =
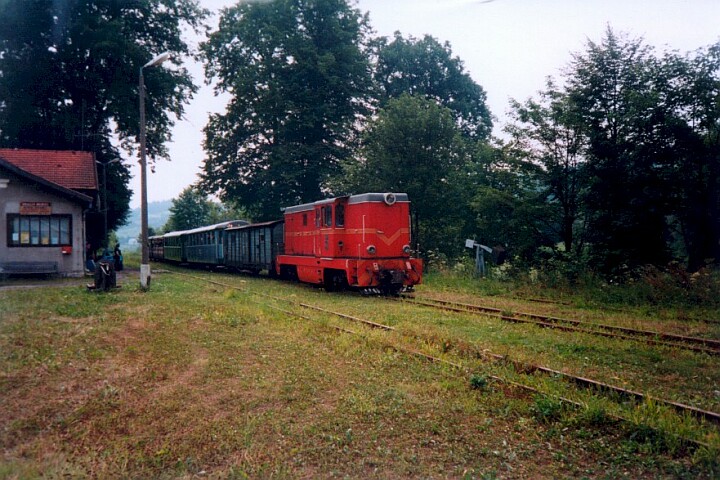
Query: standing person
89 257
117 256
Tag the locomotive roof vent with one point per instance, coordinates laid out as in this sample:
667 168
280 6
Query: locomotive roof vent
390 198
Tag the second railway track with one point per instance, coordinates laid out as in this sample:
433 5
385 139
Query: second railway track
695 344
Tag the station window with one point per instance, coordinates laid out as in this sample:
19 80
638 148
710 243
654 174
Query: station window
38 230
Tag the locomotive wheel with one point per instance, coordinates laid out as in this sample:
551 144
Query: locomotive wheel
288 272
335 281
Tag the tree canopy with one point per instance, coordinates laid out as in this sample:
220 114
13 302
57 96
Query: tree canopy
299 80
628 149
424 67
546 134
192 209
70 78
414 146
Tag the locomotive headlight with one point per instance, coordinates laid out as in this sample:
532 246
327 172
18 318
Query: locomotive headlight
390 198
406 249
371 249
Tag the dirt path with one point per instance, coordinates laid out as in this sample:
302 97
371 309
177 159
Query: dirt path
21 283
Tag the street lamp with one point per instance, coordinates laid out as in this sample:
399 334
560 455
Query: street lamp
145 262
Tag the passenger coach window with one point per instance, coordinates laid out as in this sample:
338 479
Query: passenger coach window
340 216
327 216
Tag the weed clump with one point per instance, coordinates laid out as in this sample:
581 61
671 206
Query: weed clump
478 382
546 409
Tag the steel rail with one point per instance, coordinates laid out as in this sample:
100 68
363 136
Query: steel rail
699 320
696 344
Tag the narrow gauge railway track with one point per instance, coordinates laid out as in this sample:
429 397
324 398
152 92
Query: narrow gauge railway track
528 368
695 344
520 367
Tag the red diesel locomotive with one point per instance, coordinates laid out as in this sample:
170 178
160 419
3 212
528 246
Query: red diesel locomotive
361 241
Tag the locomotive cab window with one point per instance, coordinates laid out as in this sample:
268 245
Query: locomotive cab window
327 216
340 216
304 219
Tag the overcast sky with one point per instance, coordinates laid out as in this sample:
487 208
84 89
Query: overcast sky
508 47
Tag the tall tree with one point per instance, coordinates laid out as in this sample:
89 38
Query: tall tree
692 86
631 145
547 132
424 67
414 146
613 85
70 78
190 210
299 79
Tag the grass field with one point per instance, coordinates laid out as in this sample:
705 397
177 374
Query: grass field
199 380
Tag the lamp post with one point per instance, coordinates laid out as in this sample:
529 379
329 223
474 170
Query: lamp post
145 262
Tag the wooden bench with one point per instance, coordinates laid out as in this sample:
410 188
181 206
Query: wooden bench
25 268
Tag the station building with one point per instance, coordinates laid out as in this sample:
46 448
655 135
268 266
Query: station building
44 197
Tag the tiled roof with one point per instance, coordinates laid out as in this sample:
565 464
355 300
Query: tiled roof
70 169
74 194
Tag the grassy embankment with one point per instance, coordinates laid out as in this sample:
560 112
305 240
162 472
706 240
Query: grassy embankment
195 379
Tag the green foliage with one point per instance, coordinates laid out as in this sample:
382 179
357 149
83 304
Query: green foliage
507 208
508 219
425 68
222 212
70 80
114 198
546 409
547 134
709 458
192 209
613 87
279 141
692 89
628 157
478 382
414 146
672 286
594 414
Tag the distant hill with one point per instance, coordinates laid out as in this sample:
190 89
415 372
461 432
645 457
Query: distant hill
158 214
